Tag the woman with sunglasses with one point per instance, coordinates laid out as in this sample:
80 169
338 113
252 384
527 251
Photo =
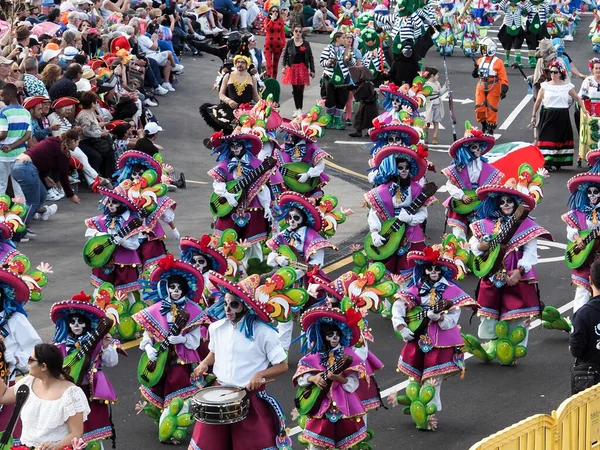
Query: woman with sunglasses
298 66
274 40
555 132
56 408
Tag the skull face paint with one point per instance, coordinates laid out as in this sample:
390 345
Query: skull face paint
77 324
394 139
295 219
113 206
333 338
507 205
475 149
137 171
331 301
396 103
175 290
237 148
201 263
403 167
433 272
593 193
235 309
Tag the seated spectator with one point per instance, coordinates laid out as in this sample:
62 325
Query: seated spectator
147 144
32 84
35 106
320 24
65 86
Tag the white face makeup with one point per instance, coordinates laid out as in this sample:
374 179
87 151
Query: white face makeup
396 103
333 338
295 219
507 205
175 291
200 263
137 172
433 272
593 193
403 169
77 325
475 149
112 205
394 139
331 301
234 308
237 147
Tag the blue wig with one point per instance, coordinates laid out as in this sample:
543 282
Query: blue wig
595 168
389 168
387 101
579 200
282 211
464 155
313 342
125 173
61 328
224 150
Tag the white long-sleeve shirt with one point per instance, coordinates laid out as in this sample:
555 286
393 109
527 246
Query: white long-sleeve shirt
316 259
415 219
131 243
527 261
192 337
350 386
474 170
21 340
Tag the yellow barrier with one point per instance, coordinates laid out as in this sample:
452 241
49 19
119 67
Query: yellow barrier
575 425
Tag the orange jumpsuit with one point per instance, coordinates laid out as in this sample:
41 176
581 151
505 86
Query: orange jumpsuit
492 78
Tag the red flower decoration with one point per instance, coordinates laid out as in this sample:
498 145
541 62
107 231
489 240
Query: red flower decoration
167 262
431 255
312 272
476 133
302 48
216 135
353 316
377 124
245 106
82 297
422 151
204 241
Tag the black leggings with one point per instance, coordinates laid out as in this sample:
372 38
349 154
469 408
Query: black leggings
298 93
335 96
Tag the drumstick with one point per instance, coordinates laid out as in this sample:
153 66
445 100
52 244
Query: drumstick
243 389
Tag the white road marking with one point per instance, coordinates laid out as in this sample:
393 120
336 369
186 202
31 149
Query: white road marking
513 115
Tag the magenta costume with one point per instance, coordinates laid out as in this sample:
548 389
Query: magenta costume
123 268
312 156
368 390
175 382
498 300
247 219
338 423
437 351
581 275
380 201
460 178
153 247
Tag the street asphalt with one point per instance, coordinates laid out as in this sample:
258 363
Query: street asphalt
488 399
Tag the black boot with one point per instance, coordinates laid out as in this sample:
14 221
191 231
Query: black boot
181 182
484 126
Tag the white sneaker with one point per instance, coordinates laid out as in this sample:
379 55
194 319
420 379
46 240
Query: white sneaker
61 193
568 37
177 68
160 90
53 195
50 210
297 113
149 102
36 216
168 86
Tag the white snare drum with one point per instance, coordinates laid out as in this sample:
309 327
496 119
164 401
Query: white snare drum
220 405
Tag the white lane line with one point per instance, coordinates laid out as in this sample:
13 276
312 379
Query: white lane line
513 115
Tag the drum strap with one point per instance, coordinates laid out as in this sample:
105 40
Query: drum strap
283 441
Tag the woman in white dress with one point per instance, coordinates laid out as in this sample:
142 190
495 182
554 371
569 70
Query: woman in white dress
56 408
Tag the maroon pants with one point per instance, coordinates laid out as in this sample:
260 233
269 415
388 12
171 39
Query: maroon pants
508 302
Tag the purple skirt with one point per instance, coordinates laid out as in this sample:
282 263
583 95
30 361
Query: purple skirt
421 366
175 383
97 425
254 231
508 302
343 434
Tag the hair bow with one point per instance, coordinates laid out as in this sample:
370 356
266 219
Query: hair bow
353 316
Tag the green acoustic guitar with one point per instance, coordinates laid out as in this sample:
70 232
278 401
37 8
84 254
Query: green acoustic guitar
77 363
220 207
576 257
290 172
150 372
292 256
460 207
308 398
392 230
491 260
415 317
98 250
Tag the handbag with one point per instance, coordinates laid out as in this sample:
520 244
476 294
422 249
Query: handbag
583 376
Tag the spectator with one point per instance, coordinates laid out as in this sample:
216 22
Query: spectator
73 20
227 9
15 131
50 75
65 86
298 66
50 54
32 84
5 70
308 12
320 24
108 7
147 144
35 107
20 42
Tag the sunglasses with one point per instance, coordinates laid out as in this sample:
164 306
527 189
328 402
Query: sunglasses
31 360
554 72
297 31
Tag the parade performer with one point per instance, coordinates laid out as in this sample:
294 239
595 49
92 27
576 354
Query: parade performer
446 38
405 98
393 133
245 353
248 210
302 162
469 171
335 420
81 331
511 34
120 219
12 221
535 27
470 35
300 242
484 13
433 347
372 54
507 291
491 87
164 371
201 254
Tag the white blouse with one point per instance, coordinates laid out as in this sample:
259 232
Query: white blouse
46 420
556 95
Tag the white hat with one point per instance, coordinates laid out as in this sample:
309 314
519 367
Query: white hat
83 85
66 6
81 2
152 128
48 54
69 53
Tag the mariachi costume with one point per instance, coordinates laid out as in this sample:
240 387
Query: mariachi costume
337 422
465 175
506 310
241 349
397 99
434 350
157 321
93 381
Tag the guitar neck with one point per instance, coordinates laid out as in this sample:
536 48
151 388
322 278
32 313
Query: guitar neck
299 265
251 177
333 368
592 236
504 233
417 203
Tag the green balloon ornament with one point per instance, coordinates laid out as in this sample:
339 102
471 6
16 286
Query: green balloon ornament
150 176
174 421
417 401
93 445
552 320
126 328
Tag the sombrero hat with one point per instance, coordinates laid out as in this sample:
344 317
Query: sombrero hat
472 135
336 288
396 91
347 322
432 256
582 178
168 266
218 138
113 124
593 157
309 126
131 157
202 245
79 303
409 134
498 189
119 194
245 290
418 164
290 199
17 283
95 64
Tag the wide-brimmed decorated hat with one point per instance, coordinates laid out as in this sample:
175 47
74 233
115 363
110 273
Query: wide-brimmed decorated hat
63 102
346 321
120 43
203 245
402 92
263 113
219 138
168 266
79 303
289 200
434 256
32 102
95 64
110 126
581 179
380 131
473 135
417 162
245 290
132 157
12 217
119 194
337 288
592 158
309 126
22 293
527 188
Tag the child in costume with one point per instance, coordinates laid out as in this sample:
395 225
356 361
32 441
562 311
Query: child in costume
434 110
176 288
435 354
337 422
470 35
366 96
81 326
372 54
469 171
446 39
393 133
245 353
509 297
118 212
